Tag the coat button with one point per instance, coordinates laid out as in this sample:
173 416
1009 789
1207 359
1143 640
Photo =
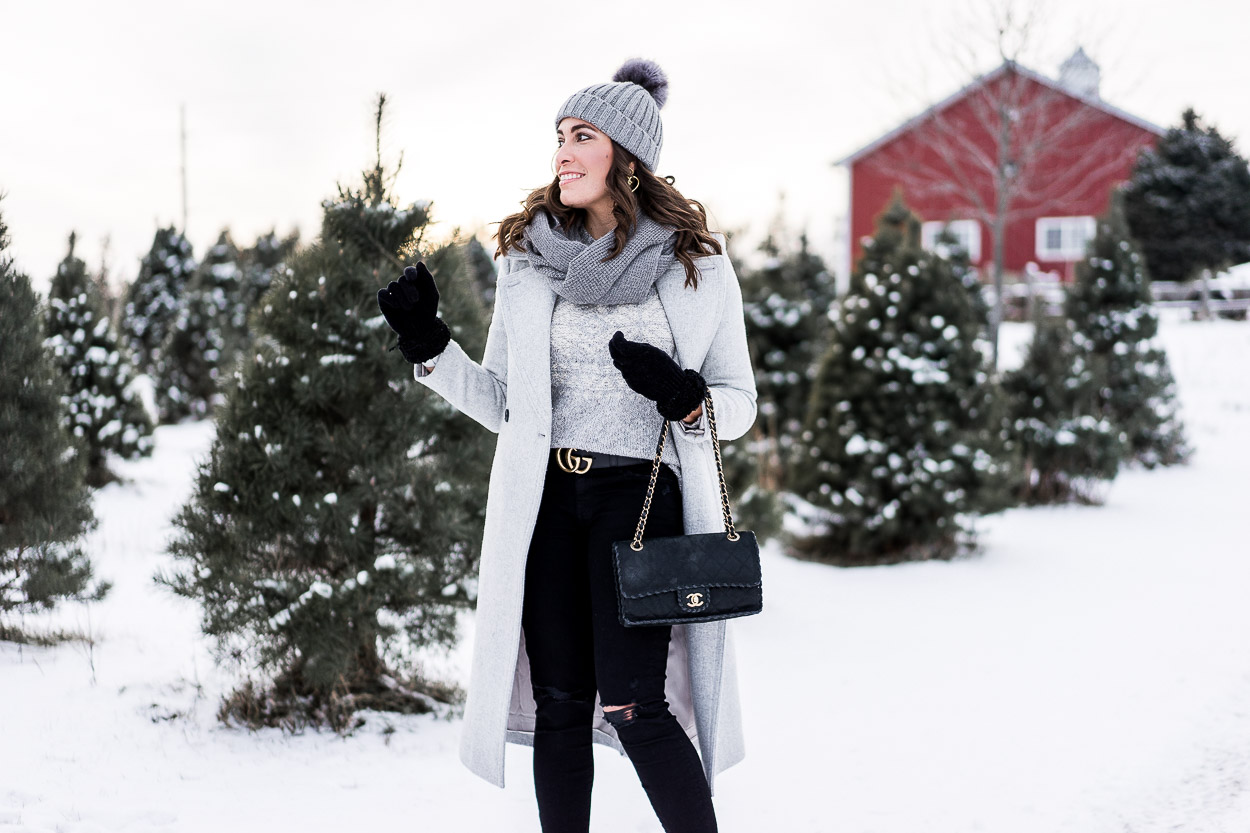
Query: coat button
505 414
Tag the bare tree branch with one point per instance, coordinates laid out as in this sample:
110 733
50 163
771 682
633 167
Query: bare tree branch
1011 147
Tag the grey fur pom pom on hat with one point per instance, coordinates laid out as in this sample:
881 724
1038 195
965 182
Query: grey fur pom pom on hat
646 74
627 108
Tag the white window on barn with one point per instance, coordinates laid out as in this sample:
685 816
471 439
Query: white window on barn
967 232
1063 238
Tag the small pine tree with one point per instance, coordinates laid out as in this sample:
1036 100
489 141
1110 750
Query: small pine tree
45 505
1116 328
786 303
335 528
1068 448
154 300
191 358
751 460
902 444
220 277
102 409
205 337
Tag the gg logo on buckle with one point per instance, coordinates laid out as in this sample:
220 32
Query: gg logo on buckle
570 462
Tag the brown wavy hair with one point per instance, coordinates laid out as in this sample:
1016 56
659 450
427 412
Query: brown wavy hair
655 195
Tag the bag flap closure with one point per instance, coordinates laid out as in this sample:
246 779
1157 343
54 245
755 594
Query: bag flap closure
687 562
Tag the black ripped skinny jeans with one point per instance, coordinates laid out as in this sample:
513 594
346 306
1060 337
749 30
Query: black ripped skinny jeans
577 645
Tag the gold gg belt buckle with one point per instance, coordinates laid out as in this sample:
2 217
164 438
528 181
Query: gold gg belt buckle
570 462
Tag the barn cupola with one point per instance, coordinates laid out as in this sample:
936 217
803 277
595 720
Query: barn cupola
1080 75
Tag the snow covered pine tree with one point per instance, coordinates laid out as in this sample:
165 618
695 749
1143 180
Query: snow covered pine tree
1067 448
45 506
220 277
1110 305
1188 204
903 444
333 534
104 411
205 336
156 296
786 303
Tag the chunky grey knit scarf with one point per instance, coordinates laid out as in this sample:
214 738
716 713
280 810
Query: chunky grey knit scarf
573 269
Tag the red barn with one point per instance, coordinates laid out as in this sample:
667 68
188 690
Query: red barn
1015 152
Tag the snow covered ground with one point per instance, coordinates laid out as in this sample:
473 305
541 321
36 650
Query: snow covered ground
1088 671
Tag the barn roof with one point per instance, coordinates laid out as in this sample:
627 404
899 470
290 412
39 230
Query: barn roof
981 80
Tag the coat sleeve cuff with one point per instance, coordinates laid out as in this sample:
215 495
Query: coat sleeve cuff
419 371
695 428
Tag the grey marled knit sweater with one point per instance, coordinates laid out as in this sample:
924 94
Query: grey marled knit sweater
592 408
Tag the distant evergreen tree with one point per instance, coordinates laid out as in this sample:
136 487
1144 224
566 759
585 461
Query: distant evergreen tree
205 337
45 506
101 407
903 444
220 277
192 356
102 279
1115 328
154 300
336 527
481 268
747 459
1068 448
786 303
260 264
1187 203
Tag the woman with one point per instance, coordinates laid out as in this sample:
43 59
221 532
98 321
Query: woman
616 310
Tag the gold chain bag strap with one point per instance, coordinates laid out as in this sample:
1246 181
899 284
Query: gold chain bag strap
677 579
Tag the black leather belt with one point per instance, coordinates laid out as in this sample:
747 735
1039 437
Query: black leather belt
575 461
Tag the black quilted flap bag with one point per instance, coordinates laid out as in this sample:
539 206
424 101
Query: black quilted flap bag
688 578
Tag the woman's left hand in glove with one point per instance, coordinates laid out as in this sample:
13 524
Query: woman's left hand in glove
651 372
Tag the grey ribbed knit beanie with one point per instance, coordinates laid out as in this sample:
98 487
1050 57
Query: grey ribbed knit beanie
628 109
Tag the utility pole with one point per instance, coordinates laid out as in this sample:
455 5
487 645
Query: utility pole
182 126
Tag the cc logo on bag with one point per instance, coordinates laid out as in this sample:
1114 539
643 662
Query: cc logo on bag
570 462
694 600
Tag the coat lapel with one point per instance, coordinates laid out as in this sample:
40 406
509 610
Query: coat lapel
527 304
692 313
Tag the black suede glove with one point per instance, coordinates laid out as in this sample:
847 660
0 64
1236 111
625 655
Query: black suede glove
653 373
410 306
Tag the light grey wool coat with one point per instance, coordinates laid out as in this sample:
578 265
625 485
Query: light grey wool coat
510 393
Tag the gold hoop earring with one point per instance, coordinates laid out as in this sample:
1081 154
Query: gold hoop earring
633 182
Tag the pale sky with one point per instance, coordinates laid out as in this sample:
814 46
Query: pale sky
763 98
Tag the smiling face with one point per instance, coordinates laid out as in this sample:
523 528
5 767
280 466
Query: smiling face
583 160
